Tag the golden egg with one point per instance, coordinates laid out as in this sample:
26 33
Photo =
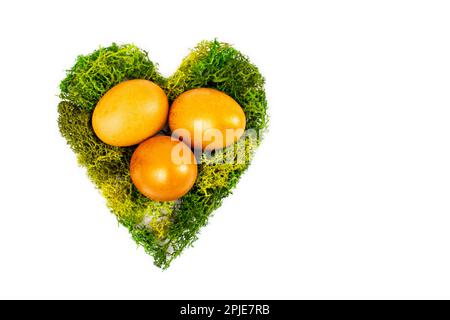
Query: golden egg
130 112
206 118
163 168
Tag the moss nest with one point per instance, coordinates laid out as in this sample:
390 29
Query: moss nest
164 229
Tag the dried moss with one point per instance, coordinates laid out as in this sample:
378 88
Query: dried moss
164 229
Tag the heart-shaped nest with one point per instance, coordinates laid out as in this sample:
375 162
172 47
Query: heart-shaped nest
164 229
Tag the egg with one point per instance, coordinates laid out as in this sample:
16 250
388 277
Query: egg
206 118
130 112
163 168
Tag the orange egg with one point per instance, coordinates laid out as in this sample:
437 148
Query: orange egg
130 112
163 168
206 118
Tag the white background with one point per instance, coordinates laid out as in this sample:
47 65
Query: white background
348 197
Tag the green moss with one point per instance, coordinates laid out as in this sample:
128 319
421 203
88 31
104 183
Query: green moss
94 74
164 229
108 168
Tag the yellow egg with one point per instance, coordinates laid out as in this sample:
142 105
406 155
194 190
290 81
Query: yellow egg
206 118
130 112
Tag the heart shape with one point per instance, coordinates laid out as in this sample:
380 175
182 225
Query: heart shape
164 229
